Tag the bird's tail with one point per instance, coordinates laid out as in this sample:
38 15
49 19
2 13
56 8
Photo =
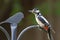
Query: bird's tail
53 30
50 37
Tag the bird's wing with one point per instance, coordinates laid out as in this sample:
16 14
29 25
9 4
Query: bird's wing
43 20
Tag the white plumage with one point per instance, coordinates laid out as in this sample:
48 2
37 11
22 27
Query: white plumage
39 22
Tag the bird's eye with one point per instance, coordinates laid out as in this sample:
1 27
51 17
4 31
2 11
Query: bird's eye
35 8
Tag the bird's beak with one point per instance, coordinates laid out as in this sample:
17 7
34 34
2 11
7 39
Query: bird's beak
30 11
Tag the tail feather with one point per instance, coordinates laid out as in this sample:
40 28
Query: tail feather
50 37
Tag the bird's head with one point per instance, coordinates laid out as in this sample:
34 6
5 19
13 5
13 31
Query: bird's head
34 11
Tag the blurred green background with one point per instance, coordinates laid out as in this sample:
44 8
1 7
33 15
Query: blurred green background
49 9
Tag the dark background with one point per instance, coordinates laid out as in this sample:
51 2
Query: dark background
49 9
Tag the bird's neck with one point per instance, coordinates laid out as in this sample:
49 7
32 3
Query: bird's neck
38 14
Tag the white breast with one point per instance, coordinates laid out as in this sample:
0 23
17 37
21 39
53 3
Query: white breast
39 22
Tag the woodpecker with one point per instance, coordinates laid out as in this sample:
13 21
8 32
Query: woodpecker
41 20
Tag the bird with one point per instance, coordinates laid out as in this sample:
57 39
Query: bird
42 21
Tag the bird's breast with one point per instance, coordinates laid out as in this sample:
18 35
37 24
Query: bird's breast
39 22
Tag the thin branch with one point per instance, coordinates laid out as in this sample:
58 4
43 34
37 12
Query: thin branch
6 33
30 27
23 31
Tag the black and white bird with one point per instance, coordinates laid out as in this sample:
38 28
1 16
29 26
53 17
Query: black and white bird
43 23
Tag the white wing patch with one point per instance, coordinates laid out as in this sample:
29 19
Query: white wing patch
39 22
44 19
